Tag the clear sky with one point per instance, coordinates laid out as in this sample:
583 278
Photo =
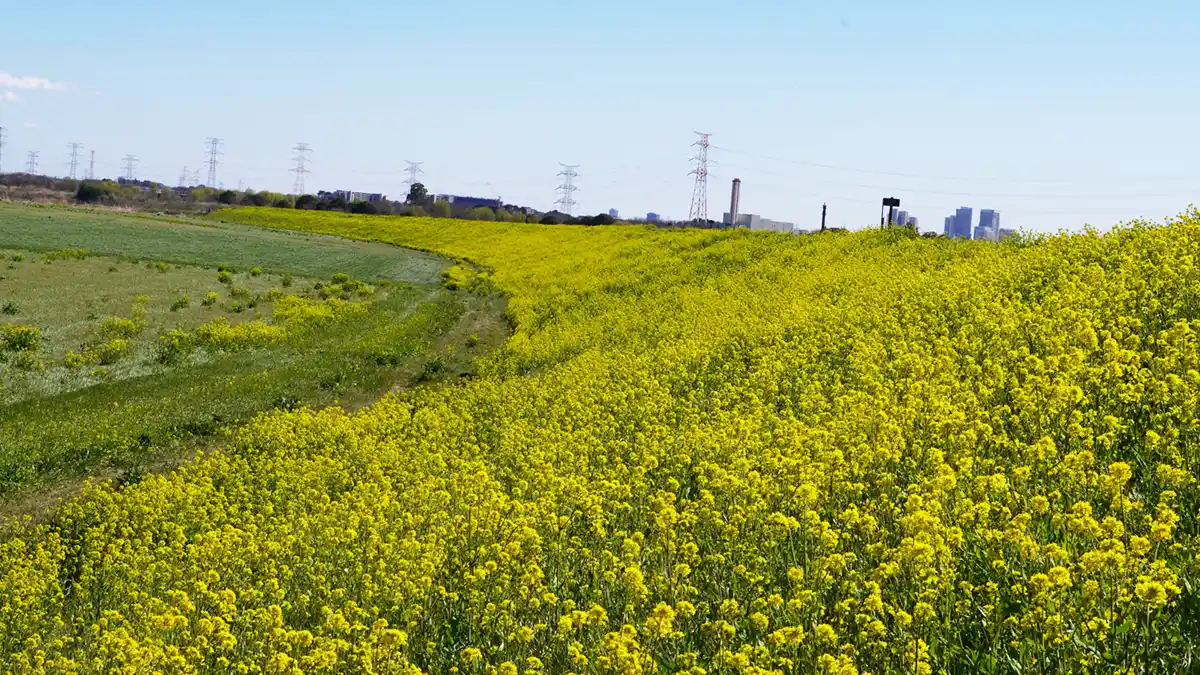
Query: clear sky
1056 113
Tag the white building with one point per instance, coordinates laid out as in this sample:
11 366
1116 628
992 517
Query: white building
755 222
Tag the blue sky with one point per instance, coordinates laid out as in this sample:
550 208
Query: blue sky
1056 114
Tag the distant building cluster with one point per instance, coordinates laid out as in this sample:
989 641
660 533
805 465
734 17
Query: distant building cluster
959 225
756 222
470 202
903 219
352 196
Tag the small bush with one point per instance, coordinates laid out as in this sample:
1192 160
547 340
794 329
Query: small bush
115 327
112 351
173 346
239 292
10 308
210 298
181 303
341 278
73 359
161 266
287 280
256 271
68 254
20 257
112 269
29 361
225 277
17 338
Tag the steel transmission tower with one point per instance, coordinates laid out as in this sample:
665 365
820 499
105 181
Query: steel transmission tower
91 173
699 210
567 189
183 177
32 166
2 142
214 154
414 172
301 167
75 157
129 162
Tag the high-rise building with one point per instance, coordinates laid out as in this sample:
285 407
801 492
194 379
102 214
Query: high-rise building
989 220
962 223
948 229
613 213
899 217
912 222
652 217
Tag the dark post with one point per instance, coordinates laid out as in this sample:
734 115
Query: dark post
891 203
822 217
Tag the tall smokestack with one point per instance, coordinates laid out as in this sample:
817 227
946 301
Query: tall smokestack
734 200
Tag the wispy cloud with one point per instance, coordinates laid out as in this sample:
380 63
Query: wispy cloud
9 96
30 125
16 82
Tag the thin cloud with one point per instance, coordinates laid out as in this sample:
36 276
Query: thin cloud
30 125
9 80
9 96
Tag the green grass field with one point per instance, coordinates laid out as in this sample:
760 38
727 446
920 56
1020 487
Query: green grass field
208 244
75 405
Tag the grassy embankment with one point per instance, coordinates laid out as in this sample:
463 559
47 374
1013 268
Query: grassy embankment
96 394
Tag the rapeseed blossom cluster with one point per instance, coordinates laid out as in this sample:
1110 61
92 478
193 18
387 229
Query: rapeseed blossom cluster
699 452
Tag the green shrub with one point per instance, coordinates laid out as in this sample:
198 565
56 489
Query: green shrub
29 361
341 278
18 338
239 292
173 346
115 327
20 257
181 303
68 254
73 359
112 351
10 308
161 266
287 280
225 277
210 298
256 271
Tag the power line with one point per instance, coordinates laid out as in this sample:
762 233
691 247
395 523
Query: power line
699 209
214 153
301 167
32 165
129 162
902 174
567 188
75 147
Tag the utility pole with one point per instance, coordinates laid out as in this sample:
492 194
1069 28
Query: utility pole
567 188
183 177
699 210
301 168
2 143
128 165
214 154
823 217
91 174
32 167
75 146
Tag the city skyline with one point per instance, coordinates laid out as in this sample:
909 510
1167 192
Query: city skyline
1062 146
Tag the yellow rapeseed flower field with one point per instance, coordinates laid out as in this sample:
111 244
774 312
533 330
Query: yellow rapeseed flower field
700 452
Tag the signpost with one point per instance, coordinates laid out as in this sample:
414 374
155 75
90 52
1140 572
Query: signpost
890 203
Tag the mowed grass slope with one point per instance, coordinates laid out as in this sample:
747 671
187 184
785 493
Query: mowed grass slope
209 244
100 393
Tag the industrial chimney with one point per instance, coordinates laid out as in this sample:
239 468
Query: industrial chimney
734 200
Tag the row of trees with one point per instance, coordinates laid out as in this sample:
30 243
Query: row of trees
151 196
